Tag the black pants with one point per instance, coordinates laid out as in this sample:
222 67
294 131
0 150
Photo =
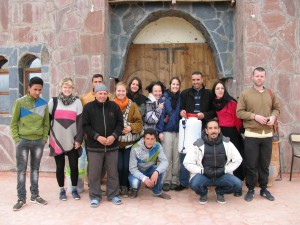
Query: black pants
60 167
238 141
258 153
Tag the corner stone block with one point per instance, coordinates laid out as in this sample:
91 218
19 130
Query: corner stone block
94 21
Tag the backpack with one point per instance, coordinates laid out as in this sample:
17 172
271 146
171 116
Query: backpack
51 116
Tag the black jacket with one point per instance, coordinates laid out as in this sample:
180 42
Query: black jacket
101 119
206 103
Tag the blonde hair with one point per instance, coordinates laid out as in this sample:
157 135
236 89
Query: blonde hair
67 81
121 83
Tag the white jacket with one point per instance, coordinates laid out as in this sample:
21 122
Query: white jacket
195 153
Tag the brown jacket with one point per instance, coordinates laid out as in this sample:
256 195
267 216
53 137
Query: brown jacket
135 120
252 102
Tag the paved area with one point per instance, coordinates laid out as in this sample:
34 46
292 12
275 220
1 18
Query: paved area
183 208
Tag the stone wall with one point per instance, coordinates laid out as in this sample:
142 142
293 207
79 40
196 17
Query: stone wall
268 35
74 37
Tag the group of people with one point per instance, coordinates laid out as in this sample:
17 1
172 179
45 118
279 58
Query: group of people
134 138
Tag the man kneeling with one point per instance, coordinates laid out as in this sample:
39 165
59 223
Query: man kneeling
211 161
143 157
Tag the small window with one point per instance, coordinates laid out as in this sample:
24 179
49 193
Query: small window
4 86
32 69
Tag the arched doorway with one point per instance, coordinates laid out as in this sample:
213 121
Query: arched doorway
169 47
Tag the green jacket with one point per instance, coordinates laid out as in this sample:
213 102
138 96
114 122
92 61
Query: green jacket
30 119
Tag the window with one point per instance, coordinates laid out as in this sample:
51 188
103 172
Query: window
4 86
33 70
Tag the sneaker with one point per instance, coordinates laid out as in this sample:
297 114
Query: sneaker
221 199
62 195
249 196
266 194
124 191
180 188
38 200
75 195
203 199
134 193
163 196
166 187
238 194
19 205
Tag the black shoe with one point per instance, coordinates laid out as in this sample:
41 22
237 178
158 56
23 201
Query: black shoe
249 196
133 193
180 188
266 194
19 205
238 194
203 199
166 187
221 199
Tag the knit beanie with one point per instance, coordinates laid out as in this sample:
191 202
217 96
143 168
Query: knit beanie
100 87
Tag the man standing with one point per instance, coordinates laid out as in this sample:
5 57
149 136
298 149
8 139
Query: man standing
258 107
143 157
195 101
102 122
211 161
29 128
88 97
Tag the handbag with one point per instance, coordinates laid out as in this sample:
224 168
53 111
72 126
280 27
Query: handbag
130 137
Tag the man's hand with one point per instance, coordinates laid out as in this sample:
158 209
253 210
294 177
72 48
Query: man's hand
154 177
200 115
271 120
261 119
183 113
101 140
149 182
109 140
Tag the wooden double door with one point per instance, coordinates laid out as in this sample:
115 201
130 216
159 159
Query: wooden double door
153 62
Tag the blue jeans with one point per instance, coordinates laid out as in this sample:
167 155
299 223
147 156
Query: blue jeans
135 183
184 174
35 148
123 166
225 184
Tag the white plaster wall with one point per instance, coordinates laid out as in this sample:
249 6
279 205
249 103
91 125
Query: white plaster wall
169 30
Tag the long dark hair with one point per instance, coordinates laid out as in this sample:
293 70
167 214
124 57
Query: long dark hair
226 95
140 85
149 88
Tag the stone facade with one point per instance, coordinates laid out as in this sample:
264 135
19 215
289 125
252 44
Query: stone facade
78 38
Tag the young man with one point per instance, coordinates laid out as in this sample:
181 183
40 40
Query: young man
196 100
89 97
102 122
143 157
29 127
211 161
258 107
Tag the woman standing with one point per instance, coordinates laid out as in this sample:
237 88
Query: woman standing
133 126
154 104
134 92
168 128
230 125
66 135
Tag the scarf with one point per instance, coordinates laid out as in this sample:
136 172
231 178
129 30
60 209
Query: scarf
138 98
174 98
67 100
122 103
219 103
